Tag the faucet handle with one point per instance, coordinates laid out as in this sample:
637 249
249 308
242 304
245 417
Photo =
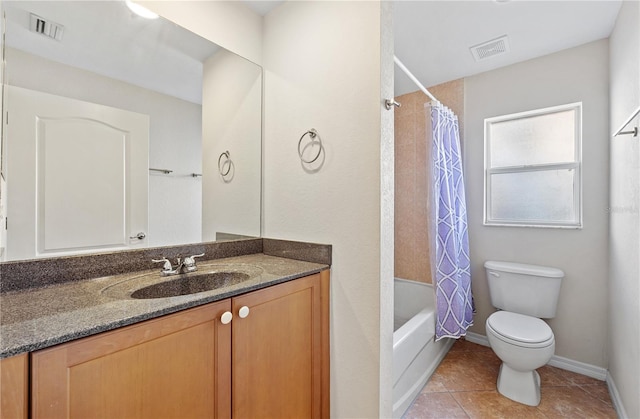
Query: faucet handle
167 265
189 262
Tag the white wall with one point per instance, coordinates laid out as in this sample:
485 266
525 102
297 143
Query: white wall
624 218
174 143
233 122
322 65
573 75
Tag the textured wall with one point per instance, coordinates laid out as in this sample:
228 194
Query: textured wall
322 64
412 165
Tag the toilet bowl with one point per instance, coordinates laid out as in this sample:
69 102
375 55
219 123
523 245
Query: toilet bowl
523 344
524 295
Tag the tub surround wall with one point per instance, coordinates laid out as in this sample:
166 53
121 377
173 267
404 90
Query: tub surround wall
36 273
624 269
573 75
412 166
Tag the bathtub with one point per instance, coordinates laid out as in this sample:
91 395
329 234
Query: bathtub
416 354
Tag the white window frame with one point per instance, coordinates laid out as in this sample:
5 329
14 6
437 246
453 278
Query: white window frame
575 165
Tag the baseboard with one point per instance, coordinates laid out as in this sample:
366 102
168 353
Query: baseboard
615 397
477 338
589 370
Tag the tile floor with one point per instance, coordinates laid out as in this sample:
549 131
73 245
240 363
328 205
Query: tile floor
464 386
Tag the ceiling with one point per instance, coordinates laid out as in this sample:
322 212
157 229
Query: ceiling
432 38
262 7
105 37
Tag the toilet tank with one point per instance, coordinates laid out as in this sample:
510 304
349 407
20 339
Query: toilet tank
526 289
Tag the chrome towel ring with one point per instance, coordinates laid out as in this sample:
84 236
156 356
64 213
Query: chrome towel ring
224 167
315 138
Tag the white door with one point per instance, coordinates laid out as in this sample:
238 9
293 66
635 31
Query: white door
77 176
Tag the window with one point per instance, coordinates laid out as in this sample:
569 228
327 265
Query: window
532 168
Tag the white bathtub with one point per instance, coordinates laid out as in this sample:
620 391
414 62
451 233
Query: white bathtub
416 355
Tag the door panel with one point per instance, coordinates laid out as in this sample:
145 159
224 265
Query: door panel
77 175
277 352
14 387
175 366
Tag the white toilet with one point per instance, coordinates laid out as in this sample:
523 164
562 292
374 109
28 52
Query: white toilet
524 294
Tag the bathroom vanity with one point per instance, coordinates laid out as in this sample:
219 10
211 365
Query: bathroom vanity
258 347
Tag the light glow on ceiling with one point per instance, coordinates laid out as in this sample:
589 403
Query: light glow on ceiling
141 11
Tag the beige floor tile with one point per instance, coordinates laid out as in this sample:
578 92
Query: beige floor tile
467 377
435 384
435 405
491 404
553 377
598 391
468 373
573 402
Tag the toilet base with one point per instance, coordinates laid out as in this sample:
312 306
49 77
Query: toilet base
522 387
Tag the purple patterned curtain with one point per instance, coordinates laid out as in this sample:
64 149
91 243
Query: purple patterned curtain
451 267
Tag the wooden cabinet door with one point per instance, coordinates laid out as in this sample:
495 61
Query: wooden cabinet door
280 350
14 390
177 366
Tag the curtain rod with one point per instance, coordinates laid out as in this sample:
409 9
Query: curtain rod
413 78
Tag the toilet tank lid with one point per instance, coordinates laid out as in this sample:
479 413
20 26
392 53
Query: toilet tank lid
521 268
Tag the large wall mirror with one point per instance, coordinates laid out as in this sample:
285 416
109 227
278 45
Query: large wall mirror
123 132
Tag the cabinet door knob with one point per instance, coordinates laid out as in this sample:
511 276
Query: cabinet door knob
226 317
244 312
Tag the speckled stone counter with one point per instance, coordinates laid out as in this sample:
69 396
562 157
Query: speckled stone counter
36 318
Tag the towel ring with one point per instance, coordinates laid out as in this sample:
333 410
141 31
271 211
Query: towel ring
313 134
221 164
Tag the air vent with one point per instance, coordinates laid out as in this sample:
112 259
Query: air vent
46 27
491 48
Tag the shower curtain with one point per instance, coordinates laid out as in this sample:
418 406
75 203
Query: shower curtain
448 226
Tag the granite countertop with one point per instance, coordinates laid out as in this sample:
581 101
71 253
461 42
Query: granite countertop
38 318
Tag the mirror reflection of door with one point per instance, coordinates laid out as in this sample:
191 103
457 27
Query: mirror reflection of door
107 55
76 175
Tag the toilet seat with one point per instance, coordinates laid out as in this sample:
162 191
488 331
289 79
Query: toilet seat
520 330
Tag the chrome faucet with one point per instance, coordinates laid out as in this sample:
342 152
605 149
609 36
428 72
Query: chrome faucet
185 265
189 263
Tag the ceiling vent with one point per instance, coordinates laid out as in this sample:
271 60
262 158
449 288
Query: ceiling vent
491 48
45 27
